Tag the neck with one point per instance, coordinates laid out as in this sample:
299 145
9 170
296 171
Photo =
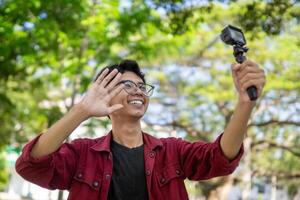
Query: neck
127 133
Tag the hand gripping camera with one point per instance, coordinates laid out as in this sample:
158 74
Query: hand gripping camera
234 36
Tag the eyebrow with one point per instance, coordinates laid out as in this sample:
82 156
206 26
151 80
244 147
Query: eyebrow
134 82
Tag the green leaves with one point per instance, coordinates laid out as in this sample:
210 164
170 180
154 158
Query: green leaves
4 176
50 50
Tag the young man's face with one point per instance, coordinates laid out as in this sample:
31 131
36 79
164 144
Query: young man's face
131 109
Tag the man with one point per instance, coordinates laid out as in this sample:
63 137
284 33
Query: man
128 163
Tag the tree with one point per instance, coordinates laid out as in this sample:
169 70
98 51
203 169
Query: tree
50 51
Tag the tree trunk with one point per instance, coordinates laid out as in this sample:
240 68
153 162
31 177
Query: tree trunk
246 179
222 191
60 195
274 183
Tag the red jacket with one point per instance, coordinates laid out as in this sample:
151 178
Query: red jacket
84 167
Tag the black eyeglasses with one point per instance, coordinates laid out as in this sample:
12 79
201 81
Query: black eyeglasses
131 87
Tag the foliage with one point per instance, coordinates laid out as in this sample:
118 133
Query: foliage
3 172
50 51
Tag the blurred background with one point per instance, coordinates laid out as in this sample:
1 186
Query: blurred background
51 50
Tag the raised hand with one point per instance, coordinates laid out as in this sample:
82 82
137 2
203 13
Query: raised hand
245 75
96 102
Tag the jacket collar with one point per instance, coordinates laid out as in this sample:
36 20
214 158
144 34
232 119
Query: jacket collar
151 142
103 143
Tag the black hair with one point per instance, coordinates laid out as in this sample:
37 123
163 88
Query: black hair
125 65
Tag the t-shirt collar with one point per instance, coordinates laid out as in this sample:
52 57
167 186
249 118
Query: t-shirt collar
103 143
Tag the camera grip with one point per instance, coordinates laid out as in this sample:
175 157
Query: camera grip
252 93
252 90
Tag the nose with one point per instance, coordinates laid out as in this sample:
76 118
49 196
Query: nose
138 91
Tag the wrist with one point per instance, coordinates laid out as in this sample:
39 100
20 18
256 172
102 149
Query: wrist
80 110
246 104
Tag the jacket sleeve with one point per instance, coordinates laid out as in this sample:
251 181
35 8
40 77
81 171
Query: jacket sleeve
202 161
53 171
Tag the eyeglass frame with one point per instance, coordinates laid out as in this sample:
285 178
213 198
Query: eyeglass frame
137 85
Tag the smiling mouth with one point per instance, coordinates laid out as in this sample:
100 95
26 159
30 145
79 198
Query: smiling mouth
136 103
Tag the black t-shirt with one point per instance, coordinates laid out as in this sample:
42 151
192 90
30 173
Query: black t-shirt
128 178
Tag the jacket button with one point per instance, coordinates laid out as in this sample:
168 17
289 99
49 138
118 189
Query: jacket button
178 172
148 172
162 180
107 176
152 154
79 175
95 184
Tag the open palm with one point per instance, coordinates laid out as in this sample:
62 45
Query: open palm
96 102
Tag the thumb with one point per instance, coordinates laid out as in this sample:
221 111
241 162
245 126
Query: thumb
235 67
114 108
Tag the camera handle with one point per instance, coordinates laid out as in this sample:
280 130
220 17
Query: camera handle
238 52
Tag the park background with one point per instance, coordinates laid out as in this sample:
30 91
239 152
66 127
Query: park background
51 50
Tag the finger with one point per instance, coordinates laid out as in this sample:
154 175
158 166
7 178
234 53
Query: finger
235 67
115 91
107 79
248 69
114 82
249 63
260 90
249 76
102 75
114 108
255 82
253 76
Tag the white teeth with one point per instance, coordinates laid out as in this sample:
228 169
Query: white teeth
136 102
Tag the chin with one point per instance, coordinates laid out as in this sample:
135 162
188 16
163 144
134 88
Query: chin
136 114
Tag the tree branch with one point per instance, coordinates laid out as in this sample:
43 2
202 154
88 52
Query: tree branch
187 128
279 175
273 121
276 145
